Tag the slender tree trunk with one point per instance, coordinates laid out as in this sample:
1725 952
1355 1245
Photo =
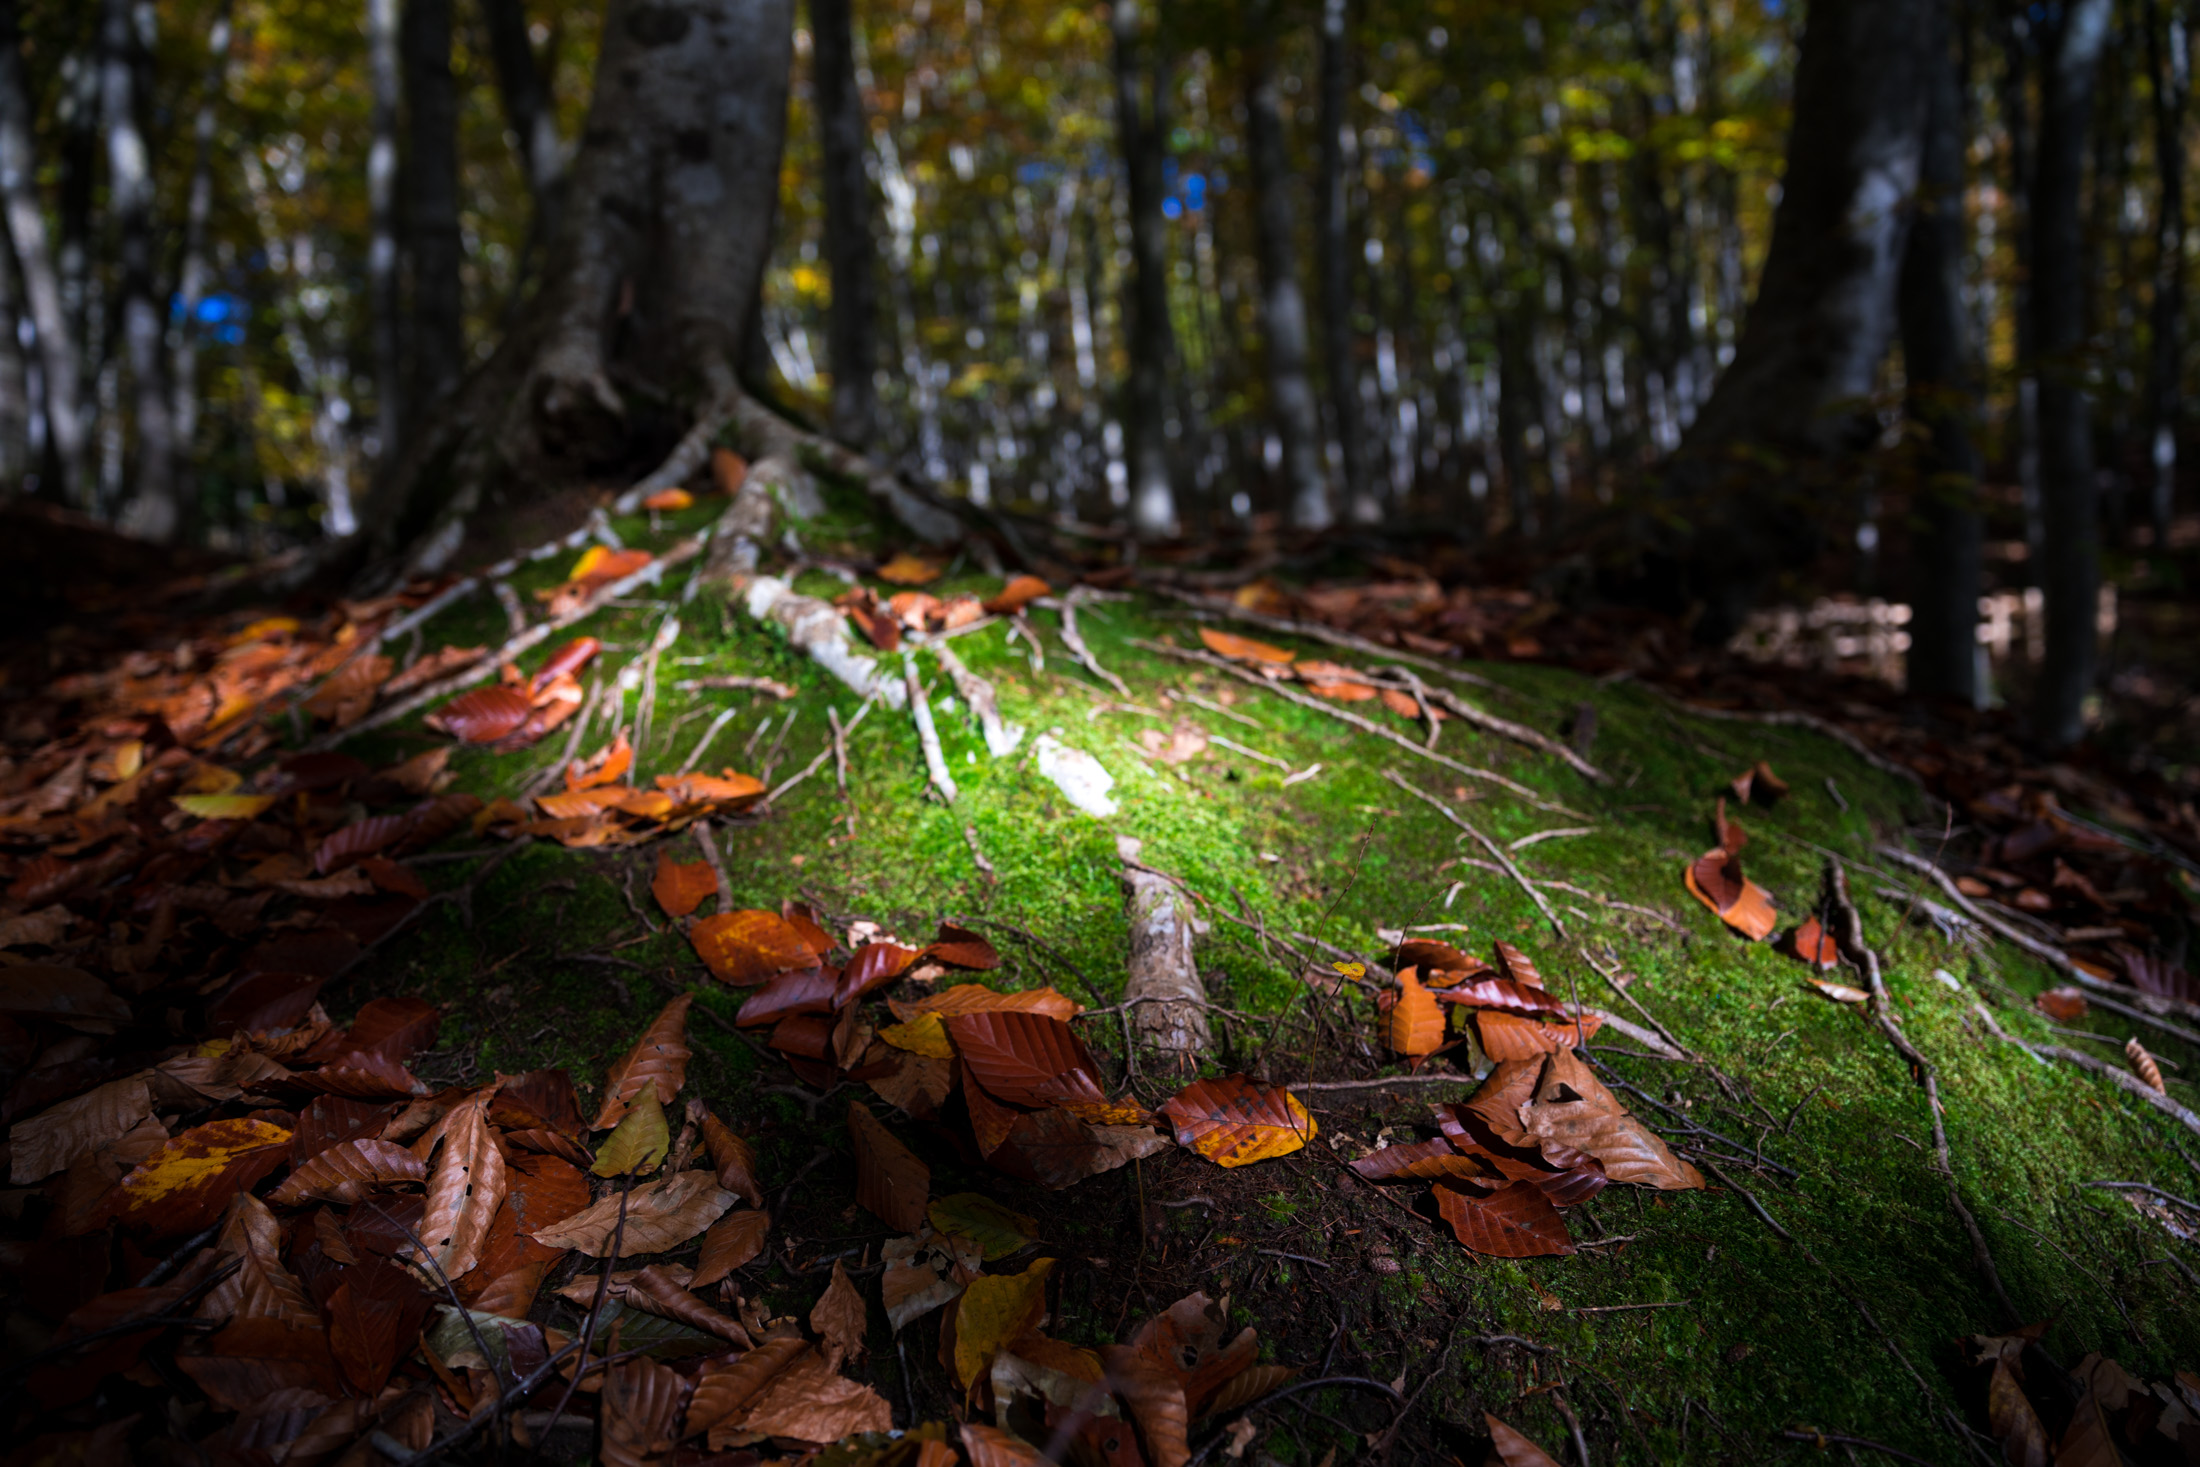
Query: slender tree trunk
2070 572
1333 252
152 510
433 248
1943 394
76 113
2016 118
853 327
653 271
1824 310
1142 123
60 365
2169 65
1291 404
384 322
15 400
528 108
191 272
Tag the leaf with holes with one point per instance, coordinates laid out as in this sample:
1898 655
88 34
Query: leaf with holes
658 1058
681 887
1234 1120
1026 1059
482 716
1415 1024
749 947
348 1171
890 1182
466 1186
1515 1221
1571 1106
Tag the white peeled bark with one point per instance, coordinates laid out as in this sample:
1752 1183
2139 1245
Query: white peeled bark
818 630
1163 983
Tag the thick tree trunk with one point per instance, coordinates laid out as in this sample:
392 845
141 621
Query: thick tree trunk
654 267
433 249
1943 395
1142 124
2169 67
1291 405
152 510
191 271
59 363
1333 252
852 332
528 109
2070 572
1824 309
383 316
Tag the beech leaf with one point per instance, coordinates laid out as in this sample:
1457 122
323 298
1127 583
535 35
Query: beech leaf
660 1215
1415 1024
1571 1106
640 1140
890 1182
1515 1221
658 1059
1233 1121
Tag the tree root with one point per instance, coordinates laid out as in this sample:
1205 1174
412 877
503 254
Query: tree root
1848 934
2116 1073
1161 976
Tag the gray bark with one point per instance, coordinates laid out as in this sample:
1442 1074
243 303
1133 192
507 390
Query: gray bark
1824 311
59 362
2169 67
2016 119
15 402
76 115
1333 249
528 108
1160 977
1291 404
852 331
191 271
382 273
1939 363
152 509
1142 126
655 265
2070 572
433 249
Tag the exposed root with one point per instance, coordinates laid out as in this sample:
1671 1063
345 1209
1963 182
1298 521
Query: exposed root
920 709
1075 641
1001 738
1161 979
2115 1073
818 630
1848 934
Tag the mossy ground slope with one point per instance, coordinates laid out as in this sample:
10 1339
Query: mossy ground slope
559 957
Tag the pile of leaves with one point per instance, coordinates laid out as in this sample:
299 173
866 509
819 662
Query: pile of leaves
1325 679
883 621
2097 1414
1501 1006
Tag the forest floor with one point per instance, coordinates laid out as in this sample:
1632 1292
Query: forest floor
1822 1282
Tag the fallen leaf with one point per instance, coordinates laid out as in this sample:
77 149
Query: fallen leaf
658 1058
991 1447
1715 878
735 1239
466 1186
185 1185
1242 649
1507 994
482 716
722 1394
995 1309
749 947
890 1182
1759 784
841 1318
1509 1036
660 1215
958 947
1415 1024
995 1230
1234 1121
727 470
1026 1059
809 1402
2063 1005
1811 943
1513 1449
926 1034
225 807
348 1171
1019 592
906 569
733 1157
679 888
639 1141
1515 1221
65 995
1572 1107
668 501
43 1144
1248 1386
976 998
374 1317
1840 992
641 1400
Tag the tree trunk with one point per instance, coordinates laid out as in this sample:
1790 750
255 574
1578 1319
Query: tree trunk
528 108
1333 250
76 115
59 363
1824 309
2070 571
1943 395
1142 124
191 271
654 268
2016 119
383 317
433 249
2169 67
853 328
1291 402
15 401
152 510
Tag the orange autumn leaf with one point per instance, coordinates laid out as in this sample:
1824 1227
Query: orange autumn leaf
682 887
910 570
1020 592
1415 1025
660 1057
1234 1120
749 947
1242 649
1812 944
890 1182
667 501
1508 1036
1715 878
607 766
976 998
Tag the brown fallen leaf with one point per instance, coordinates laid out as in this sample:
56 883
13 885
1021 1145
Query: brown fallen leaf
733 1240
1516 1220
348 1171
185 1185
1715 878
907 569
43 1144
976 998
1512 1449
890 1182
1811 943
679 888
722 1395
840 1317
466 1186
660 1215
1242 649
991 1447
748 947
2063 1005
1509 1036
641 1401
1415 1024
1571 1106
810 1402
2143 1065
1026 1059
1233 1120
659 1057
1019 592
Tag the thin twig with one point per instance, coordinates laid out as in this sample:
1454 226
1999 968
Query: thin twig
1823 1439
2113 1073
928 736
709 849
1497 852
1074 640
695 755
595 1308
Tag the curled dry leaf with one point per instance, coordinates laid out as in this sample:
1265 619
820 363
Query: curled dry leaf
1233 1121
1242 649
722 1395
660 1215
659 1058
1715 878
1026 1059
958 947
991 1447
873 966
681 888
1415 1024
2143 1065
734 1159
749 947
1572 1107
1812 944
1013 597
1504 994
890 1182
1514 1221
346 1172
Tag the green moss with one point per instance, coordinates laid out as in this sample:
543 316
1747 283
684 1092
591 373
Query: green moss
1761 1337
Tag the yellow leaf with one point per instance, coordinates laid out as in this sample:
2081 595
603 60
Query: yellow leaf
995 1310
926 1034
1235 1120
592 557
639 1141
270 626
996 1230
910 570
1354 971
224 807
210 779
